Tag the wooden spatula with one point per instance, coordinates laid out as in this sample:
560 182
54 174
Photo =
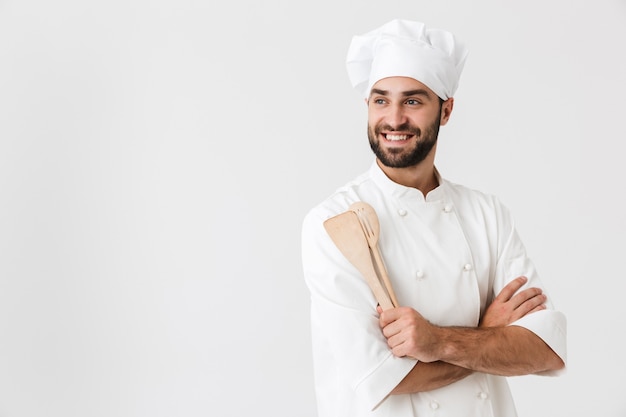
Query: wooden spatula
371 228
346 232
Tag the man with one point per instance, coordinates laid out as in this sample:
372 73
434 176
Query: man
472 308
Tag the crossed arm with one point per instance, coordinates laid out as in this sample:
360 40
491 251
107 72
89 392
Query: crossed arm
448 354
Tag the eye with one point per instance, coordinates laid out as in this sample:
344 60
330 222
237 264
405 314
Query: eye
413 102
379 101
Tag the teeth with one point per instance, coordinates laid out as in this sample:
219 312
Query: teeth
397 137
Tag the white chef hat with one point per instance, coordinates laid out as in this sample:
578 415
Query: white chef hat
407 49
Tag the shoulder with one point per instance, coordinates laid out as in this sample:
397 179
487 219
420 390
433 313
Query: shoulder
476 205
340 200
470 196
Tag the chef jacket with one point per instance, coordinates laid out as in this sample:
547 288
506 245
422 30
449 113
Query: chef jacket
447 254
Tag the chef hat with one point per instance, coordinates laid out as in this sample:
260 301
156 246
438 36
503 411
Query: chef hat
407 49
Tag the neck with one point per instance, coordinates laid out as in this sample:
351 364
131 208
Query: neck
421 176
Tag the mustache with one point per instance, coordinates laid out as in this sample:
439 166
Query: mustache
404 127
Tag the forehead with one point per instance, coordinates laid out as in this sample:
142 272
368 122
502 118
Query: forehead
400 85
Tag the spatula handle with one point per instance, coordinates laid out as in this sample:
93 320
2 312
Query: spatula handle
378 261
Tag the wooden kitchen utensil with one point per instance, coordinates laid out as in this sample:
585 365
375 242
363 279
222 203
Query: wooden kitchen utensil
371 227
346 232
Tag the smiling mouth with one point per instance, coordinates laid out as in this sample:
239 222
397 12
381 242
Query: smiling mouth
396 137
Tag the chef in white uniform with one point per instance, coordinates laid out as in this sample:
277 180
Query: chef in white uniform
472 308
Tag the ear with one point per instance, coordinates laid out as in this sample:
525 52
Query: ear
446 111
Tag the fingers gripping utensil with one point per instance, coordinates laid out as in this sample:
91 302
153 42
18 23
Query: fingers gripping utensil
346 232
371 227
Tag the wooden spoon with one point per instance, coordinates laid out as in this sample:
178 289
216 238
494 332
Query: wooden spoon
371 227
346 232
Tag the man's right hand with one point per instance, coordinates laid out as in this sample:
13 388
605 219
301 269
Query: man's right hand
508 307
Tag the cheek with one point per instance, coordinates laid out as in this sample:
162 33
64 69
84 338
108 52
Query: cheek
372 115
430 119
374 119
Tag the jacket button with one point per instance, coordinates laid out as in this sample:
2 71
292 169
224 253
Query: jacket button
402 212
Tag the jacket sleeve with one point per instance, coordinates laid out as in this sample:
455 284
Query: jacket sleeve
349 348
549 324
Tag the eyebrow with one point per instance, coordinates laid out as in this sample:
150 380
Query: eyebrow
417 92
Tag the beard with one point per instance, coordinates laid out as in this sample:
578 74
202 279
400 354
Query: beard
403 158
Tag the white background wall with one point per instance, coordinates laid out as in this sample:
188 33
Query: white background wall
157 157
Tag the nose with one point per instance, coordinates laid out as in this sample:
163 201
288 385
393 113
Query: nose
396 117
